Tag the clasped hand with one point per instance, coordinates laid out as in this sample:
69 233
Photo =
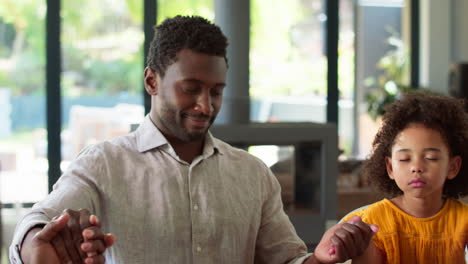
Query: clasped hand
72 237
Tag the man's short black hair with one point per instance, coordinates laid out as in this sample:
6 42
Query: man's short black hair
184 32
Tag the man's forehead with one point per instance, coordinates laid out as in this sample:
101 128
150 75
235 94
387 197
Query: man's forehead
190 64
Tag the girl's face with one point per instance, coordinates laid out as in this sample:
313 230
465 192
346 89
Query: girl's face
420 162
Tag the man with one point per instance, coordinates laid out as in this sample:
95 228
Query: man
170 191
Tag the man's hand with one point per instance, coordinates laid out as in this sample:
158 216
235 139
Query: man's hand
68 243
74 237
37 247
72 243
344 241
68 240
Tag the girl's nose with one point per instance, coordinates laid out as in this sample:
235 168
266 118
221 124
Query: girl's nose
417 167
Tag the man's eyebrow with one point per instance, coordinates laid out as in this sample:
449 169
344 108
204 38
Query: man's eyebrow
197 81
192 80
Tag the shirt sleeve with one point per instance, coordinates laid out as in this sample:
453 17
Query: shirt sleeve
277 240
300 260
76 189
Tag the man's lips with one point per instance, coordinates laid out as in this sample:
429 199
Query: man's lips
199 121
417 183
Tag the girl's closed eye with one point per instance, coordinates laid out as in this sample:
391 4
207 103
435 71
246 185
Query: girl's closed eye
403 158
432 155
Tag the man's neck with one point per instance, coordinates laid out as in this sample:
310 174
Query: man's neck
187 151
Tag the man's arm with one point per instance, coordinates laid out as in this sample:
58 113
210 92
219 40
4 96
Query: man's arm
78 187
277 240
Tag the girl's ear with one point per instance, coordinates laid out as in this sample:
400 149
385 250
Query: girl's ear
454 167
388 164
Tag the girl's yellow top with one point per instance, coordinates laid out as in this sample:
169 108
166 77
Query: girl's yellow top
403 238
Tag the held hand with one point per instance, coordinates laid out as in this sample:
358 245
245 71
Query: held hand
71 243
40 250
56 243
95 242
344 241
68 241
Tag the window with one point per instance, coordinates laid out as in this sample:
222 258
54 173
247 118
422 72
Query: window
23 138
382 61
346 52
23 135
102 74
171 8
288 65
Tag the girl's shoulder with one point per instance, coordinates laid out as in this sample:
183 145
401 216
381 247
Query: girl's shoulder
369 211
385 213
458 207
458 203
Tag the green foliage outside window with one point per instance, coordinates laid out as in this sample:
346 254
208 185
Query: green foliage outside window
390 84
90 72
22 46
86 71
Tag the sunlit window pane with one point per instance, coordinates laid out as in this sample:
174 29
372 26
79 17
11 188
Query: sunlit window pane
287 61
382 62
102 78
23 145
346 77
171 8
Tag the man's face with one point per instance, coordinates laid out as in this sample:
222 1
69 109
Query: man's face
188 98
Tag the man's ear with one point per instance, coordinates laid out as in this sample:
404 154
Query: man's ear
151 81
454 167
388 164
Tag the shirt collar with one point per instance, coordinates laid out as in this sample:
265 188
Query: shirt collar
212 145
149 137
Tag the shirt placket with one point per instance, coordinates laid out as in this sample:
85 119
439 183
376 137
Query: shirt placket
195 213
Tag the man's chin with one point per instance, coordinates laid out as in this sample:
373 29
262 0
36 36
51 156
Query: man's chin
196 135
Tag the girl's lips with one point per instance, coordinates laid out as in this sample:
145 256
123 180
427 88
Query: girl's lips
417 183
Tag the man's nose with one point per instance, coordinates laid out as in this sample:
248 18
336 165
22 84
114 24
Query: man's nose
204 104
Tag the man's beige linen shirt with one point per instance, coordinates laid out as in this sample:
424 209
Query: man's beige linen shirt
224 207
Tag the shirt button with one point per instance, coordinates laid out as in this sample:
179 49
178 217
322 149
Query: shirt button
198 249
195 207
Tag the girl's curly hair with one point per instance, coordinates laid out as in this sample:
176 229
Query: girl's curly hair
444 114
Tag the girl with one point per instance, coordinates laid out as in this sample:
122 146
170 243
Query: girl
419 160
